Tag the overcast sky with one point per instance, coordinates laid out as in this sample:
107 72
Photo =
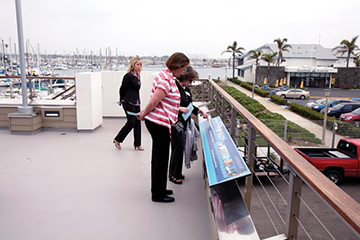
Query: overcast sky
202 28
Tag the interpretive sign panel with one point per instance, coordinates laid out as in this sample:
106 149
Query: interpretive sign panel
222 158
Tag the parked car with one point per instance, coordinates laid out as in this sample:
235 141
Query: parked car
319 101
265 88
353 116
294 93
275 90
340 108
331 103
335 163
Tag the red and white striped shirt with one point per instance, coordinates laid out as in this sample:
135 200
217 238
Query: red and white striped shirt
168 108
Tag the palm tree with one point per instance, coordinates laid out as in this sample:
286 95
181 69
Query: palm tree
348 47
257 56
283 47
269 58
236 52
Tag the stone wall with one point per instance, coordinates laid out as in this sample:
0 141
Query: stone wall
262 72
347 77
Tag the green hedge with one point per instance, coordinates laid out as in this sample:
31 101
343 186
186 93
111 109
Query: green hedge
251 105
278 100
274 121
344 128
307 112
248 86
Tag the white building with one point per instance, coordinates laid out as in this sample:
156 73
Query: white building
311 63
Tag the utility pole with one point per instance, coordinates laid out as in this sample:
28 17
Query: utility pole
25 109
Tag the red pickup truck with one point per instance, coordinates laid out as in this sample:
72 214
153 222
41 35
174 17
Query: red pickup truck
335 163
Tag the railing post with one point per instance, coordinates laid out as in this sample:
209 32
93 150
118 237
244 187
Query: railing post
217 102
211 95
251 163
202 91
293 207
233 122
223 108
285 130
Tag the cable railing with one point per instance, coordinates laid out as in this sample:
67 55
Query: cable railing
251 135
55 88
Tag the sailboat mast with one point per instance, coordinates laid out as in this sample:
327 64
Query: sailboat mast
10 57
3 54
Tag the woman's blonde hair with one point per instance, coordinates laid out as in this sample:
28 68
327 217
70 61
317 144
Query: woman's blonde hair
132 63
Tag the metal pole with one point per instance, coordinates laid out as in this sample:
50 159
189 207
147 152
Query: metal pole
225 76
252 92
285 130
251 159
335 125
3 55
327 94
293 207
25 108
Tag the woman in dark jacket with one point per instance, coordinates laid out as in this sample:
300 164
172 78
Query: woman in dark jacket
130 99
178 137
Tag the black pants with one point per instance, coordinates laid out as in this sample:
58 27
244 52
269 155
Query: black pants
159 158
177 153
132 123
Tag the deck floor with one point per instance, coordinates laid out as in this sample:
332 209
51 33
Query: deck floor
73 185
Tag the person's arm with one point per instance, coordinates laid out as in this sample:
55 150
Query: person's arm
183 109
158 95
124 86
203 113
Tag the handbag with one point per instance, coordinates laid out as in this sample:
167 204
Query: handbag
178 125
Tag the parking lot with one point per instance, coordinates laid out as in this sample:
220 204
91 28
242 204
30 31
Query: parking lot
316 93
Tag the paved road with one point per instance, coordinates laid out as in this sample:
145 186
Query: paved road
316 93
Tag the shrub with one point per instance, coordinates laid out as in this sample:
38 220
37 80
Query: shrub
251 105
248 86
278 100
307 112
274 121
267 115
346 129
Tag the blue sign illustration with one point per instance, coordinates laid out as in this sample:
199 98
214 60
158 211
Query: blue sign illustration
222 158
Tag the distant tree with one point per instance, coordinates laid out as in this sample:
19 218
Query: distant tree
257 56
270 59
235 52
347 47
282 47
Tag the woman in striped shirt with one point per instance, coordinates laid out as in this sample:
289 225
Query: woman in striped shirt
159 114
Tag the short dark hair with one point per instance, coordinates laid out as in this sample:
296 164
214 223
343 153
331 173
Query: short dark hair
189 75
176 61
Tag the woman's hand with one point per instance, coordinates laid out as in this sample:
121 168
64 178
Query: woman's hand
204 114
184 109
142 116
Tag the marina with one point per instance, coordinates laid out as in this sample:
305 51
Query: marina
63 174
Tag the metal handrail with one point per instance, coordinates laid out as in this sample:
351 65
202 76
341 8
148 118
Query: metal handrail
339 200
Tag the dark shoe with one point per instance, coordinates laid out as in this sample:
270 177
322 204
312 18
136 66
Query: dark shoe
175 180
182 176
169 192
165 199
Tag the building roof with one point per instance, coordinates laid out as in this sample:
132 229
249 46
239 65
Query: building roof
300 51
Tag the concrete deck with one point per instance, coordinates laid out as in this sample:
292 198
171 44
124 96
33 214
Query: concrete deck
69 185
